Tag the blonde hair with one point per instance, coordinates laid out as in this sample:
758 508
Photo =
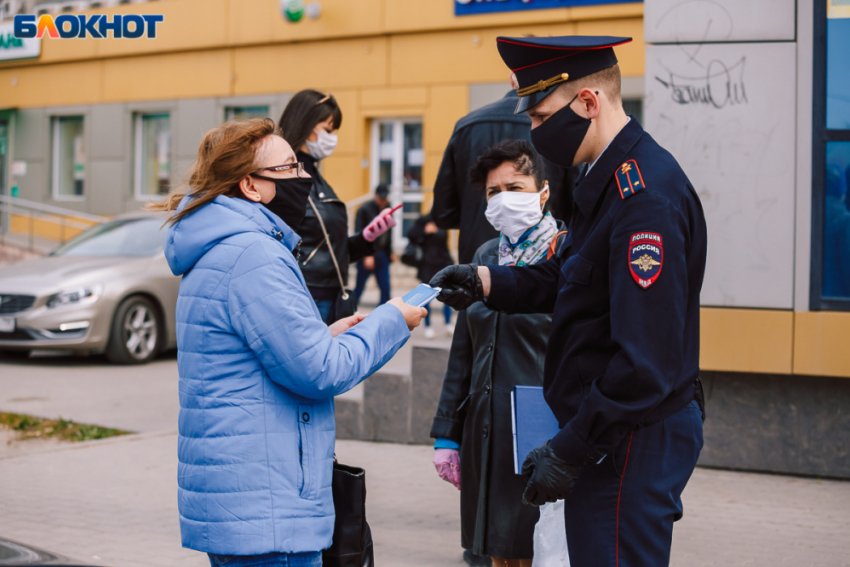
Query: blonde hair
608 80
227 155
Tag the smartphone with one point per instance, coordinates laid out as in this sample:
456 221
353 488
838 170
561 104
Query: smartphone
421 295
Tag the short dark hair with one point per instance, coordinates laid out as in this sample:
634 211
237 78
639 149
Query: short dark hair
303 112
518 152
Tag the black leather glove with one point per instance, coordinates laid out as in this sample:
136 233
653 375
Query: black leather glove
548 477
460 284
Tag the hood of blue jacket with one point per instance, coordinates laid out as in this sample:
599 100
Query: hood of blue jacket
193 236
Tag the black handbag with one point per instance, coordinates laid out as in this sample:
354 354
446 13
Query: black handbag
352 543
345 304
413 255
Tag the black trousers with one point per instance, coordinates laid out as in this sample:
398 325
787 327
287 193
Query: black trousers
621 511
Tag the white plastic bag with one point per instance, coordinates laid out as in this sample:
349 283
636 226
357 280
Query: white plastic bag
550 537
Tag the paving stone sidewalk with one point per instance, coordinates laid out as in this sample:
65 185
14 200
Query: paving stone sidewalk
114 503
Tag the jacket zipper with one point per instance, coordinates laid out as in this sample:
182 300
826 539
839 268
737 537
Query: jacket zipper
313 253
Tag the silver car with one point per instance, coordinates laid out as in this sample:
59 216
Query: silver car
109 290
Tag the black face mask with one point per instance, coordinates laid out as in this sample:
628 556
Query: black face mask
290 199
559 138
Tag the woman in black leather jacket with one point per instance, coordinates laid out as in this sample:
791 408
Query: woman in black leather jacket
491 353
309 123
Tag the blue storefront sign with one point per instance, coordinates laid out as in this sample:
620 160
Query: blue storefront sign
468 7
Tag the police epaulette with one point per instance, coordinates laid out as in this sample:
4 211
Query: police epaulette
629 179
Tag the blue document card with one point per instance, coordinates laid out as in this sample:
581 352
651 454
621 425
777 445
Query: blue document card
421 295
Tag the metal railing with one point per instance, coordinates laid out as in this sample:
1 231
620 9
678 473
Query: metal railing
38 228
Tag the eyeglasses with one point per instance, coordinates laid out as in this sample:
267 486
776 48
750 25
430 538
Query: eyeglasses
293 169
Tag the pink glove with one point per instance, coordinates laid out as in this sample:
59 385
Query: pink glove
382 223
447 462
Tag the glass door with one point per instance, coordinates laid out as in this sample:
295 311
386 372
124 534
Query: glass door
397 159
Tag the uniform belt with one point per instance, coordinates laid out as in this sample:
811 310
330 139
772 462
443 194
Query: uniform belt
675 404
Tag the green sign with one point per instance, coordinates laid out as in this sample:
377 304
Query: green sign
9 41
13 48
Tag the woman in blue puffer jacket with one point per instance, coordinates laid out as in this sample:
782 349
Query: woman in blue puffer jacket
258 367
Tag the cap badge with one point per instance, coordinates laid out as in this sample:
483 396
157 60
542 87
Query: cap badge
542 85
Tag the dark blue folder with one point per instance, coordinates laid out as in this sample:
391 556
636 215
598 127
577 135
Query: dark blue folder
533 422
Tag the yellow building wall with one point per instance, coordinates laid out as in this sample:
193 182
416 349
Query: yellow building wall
380 58
49 227
775 342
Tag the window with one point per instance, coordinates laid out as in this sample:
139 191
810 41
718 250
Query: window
153 154
69 157
131 238
397 160
831 159
634 107
243 112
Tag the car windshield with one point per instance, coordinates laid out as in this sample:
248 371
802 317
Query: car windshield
134 238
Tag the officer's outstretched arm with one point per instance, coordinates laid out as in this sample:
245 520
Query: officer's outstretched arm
529 289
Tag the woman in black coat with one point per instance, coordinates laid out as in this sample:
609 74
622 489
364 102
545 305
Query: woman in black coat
435 257
491 353
309 123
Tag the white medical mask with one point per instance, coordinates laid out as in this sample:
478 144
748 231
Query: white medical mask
324 145
514 212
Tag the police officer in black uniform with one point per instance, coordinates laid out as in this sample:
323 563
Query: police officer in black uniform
622 363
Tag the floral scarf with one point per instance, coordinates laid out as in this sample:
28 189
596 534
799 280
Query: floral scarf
532 248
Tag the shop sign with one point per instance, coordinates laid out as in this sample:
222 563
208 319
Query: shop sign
13 48
469 7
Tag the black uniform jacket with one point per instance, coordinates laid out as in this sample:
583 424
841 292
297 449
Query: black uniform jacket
315 261
459 205
624 345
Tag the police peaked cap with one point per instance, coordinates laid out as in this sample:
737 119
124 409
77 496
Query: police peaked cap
542 63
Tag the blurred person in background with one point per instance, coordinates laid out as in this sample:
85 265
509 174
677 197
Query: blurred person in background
435 257
258 366
377 264
457 204
310 123
473 425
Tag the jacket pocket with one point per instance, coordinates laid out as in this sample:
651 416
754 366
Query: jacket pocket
308 470
577 270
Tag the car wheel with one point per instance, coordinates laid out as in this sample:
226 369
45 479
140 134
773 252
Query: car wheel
135 335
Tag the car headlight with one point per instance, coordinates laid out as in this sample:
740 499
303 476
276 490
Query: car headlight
78 296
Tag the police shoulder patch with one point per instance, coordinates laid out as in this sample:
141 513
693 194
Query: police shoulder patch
629 179
646 257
